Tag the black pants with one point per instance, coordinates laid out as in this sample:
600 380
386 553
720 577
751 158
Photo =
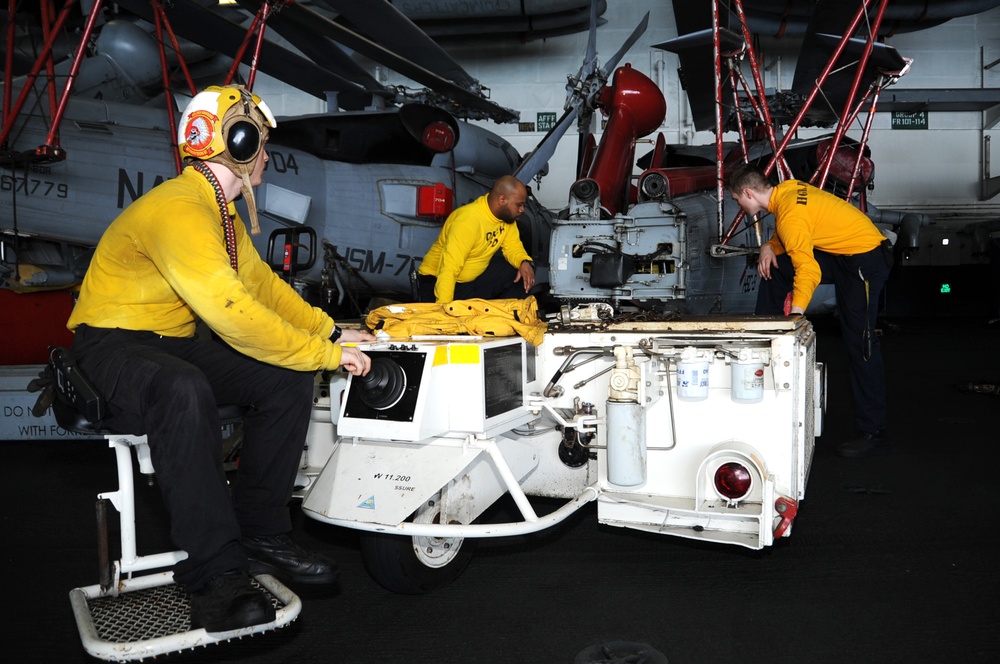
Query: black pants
859 280
495 283
169 389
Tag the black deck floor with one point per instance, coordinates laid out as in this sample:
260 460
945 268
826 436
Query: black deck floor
892 559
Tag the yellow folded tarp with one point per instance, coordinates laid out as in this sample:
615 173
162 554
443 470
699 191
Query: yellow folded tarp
490 318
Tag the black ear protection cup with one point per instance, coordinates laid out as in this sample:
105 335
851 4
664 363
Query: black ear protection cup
243 141
243 136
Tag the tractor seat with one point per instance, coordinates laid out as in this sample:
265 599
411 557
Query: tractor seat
74 420
79 408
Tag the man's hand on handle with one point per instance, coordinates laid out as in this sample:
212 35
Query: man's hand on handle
351 358
354 361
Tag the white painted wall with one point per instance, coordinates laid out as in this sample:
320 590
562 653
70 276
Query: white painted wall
937 170
941 168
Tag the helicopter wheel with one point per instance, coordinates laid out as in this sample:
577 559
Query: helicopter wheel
416 565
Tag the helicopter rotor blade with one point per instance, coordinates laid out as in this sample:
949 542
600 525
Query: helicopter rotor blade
610 65
535 162
217 33
381 21
583 91
289 24
321 26
581 99
575 85
590 57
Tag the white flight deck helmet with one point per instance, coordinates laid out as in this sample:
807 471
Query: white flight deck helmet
227 125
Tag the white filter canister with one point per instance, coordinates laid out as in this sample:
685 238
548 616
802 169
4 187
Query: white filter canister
626 443
747 379
692 374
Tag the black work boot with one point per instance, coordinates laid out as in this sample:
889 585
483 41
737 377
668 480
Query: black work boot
866 445
229 601
282 558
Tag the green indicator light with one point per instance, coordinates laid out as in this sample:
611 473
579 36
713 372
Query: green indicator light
945 288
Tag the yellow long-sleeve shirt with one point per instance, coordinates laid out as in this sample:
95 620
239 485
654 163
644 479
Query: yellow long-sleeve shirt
807 218
162 265
469 238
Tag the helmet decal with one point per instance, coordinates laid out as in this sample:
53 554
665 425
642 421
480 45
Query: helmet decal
199 132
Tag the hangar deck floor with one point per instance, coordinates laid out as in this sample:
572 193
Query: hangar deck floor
892 559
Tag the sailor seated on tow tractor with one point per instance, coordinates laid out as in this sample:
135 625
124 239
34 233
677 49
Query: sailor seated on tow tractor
179 254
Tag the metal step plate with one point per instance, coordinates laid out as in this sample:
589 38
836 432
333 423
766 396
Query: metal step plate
151 615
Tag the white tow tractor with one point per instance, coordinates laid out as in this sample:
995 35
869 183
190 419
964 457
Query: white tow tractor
701 428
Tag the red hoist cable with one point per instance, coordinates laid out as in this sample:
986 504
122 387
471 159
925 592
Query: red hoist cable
50 149
848 116
259 23
162 24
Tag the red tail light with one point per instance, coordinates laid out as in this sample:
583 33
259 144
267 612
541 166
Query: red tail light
434 201
733 481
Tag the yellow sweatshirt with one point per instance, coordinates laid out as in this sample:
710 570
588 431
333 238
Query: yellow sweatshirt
162 264
469 238
807 218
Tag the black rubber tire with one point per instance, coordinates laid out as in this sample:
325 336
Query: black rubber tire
393 563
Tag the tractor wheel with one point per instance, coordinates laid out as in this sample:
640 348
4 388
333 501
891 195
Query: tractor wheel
416 565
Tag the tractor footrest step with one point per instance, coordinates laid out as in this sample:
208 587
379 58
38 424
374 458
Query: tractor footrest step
150 615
